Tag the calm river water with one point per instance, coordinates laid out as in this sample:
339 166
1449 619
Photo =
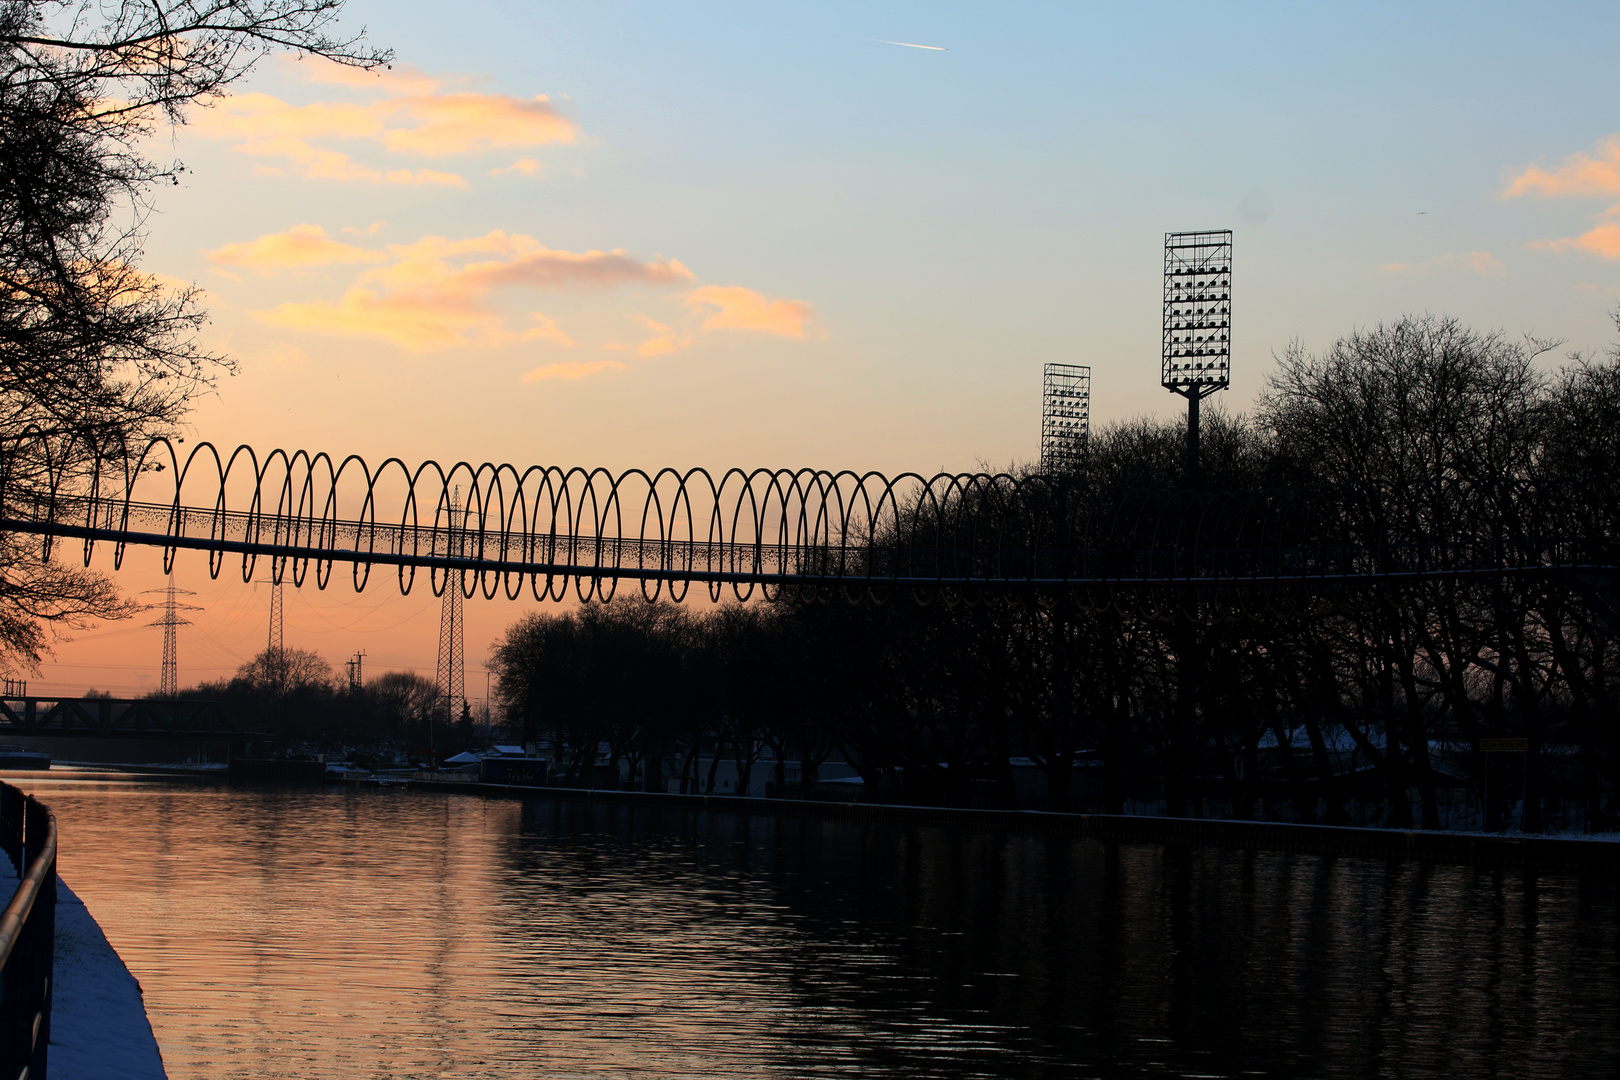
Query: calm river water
387 934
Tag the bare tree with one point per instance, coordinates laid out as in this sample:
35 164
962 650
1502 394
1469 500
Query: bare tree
406 700
281 673
96 355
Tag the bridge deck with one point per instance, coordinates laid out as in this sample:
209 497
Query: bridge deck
144 718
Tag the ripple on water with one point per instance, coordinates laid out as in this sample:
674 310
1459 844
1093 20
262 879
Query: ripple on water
388 934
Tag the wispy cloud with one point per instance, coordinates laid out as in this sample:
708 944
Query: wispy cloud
1479 262
297 247
522 166
321 163
440 124
519 260
1603 241
416 321
665 339
436 292
737 308
548 330
1580 174
440 292
415 114
1594 175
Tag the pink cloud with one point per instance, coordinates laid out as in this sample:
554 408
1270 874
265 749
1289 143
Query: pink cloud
665 339
322 163
1603 241
522 166
415 115
257 116
562 269
469 123
435 292
520 260
1580 174
415 321
737 308
299 246
548 330
1482 263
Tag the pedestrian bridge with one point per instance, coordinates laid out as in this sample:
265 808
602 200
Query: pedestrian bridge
791 533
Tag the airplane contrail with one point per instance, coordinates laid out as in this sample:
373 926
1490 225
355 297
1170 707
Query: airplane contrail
909 45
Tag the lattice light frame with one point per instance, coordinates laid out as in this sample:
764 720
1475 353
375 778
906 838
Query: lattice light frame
1197 357
1065 414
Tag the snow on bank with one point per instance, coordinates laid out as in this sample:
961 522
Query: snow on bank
99 1029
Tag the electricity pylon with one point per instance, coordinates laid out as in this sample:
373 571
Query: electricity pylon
450 677
275 657
357 681
169 674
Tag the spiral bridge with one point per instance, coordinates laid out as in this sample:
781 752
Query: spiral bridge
795 534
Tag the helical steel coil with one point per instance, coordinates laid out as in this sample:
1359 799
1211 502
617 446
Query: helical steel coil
796 534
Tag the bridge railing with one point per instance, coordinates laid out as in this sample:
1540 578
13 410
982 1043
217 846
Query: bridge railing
27 936
799 533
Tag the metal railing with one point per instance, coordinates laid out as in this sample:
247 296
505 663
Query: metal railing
27 936
793 533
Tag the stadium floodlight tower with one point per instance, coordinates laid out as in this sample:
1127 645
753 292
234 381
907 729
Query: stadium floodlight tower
1065 415
1197 323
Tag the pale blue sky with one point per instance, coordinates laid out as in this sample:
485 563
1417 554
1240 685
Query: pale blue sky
959 218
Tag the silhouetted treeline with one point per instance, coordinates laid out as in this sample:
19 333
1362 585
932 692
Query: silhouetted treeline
1408 444
292 696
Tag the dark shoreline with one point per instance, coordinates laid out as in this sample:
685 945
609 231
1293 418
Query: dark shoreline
1416 845
1471 849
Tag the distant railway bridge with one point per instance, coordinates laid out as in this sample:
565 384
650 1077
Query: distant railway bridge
118 718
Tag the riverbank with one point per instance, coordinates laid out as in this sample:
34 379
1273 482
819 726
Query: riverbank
90 770
99 1028
1400 844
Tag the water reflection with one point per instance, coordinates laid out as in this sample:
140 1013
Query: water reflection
373 934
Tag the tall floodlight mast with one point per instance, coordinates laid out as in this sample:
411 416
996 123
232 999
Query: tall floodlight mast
1197 323
1065 415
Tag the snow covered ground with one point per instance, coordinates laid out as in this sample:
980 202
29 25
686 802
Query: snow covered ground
99 1029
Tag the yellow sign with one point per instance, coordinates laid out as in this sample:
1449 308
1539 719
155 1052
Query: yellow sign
1504 746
